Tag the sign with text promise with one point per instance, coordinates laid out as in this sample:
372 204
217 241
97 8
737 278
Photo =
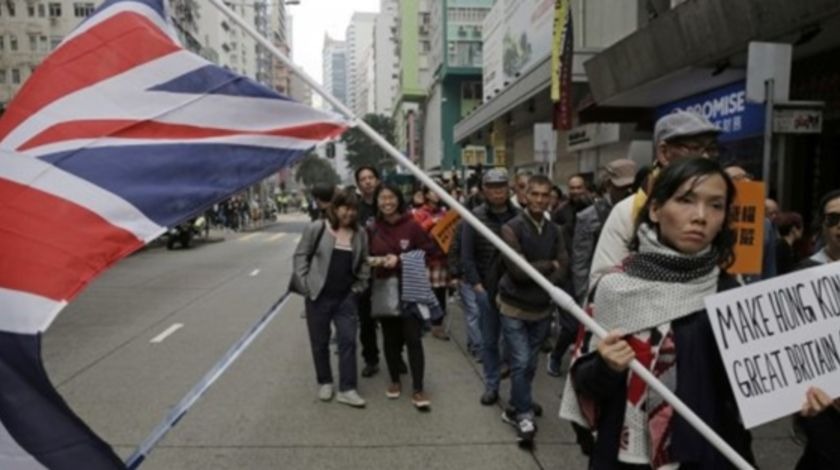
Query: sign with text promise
777 338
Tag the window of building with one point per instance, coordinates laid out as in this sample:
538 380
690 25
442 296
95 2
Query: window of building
55 10
30 10
45 44
11 7
82 10
54 42
33 43
12 42
2 42
2 76
41 10
15 76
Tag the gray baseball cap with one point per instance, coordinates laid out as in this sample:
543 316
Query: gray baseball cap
495 176
682 124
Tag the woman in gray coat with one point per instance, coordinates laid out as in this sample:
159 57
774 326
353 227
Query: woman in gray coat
330 267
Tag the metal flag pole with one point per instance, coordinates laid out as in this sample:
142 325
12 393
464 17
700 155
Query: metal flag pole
557 294
198 390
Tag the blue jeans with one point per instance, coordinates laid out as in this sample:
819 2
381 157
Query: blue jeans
524 339
471 318
493 348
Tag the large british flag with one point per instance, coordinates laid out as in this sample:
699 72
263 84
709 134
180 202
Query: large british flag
119 134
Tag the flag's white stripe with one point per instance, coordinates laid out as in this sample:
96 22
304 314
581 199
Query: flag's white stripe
26 313
121 7
283 143
131 102
32 172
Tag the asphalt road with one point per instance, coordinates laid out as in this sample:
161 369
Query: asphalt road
120 359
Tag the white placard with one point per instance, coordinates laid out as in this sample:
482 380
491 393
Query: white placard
777 338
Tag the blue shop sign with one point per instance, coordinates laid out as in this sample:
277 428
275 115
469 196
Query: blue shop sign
727 108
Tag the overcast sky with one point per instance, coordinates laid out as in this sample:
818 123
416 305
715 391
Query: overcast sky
313 18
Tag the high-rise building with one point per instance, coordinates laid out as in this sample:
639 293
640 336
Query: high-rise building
413 46
385 57
281 38
298 89
334 62
29 31
455 36
359 43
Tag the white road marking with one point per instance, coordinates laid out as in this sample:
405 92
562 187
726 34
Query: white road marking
172 329
248 237
297 239
254 272
274 238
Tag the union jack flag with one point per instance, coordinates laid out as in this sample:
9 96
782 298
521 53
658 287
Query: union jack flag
117 135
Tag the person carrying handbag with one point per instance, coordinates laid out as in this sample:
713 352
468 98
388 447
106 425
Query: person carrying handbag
330 271
393 233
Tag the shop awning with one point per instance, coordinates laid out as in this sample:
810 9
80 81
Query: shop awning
701 45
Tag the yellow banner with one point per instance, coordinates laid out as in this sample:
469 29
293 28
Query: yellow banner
561 13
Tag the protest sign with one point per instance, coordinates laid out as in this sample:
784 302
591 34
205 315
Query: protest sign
444 231
748 224
777 338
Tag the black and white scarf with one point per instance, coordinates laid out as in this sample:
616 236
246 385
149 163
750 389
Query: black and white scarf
653 287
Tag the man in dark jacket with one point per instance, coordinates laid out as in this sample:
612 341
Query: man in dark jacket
481 263
525 306
367 179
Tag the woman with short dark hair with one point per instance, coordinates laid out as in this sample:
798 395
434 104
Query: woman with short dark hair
330 265
653 307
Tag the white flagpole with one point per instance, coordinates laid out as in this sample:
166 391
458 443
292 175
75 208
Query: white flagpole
557 294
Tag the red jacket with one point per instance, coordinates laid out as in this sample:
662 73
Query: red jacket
394 239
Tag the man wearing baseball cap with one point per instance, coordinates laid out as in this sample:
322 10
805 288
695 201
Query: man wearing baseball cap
677 135
480 262
618 177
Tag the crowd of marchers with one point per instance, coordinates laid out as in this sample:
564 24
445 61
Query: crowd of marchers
640 252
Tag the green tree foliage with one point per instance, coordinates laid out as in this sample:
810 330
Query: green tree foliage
312 170
361 151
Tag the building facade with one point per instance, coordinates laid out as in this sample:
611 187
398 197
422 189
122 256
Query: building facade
385 57
359 39
29 31
334 60
455 87
413 46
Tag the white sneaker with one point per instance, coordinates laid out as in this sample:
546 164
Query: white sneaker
325 393
350 397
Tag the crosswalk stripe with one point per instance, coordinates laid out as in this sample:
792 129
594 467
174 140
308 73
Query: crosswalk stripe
249 237
274 238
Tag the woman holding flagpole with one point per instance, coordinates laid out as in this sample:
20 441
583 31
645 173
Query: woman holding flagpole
653 306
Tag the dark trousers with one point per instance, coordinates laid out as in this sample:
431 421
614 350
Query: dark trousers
568 333
342 313
367 330
440 294
405 330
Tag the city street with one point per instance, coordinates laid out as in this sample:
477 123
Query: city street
120 359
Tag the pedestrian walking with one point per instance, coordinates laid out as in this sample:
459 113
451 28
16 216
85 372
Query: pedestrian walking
428 215
394 233
367 180
481 264
653 307
330 266
526 307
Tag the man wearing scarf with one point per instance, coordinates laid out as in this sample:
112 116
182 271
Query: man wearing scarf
676 136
